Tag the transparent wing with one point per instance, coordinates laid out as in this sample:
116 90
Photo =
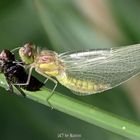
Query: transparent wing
108 66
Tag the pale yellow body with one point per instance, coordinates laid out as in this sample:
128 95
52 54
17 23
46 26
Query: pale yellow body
80 86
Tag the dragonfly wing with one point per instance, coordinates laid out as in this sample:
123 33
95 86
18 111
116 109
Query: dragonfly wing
111 67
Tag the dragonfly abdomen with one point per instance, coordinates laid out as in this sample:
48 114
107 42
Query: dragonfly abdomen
83 87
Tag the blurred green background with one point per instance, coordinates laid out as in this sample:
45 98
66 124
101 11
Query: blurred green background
63 25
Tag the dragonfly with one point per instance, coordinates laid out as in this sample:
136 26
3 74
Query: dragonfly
84 72
16 75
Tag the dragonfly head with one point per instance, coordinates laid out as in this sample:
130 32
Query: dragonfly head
27 53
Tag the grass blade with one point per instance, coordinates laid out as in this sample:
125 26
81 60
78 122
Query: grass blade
86 112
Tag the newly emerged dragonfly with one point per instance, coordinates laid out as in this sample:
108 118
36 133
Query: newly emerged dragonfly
86 72
15 74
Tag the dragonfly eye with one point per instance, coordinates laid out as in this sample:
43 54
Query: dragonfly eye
28 49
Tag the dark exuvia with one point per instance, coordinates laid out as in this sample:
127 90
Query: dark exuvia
15 73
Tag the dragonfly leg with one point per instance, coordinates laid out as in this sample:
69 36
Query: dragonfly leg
28 79
53 80
52 92
15 49
20 64
45 81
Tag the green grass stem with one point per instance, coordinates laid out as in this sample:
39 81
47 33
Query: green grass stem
86 112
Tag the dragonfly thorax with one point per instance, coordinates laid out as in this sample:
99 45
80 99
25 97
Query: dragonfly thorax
48 63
